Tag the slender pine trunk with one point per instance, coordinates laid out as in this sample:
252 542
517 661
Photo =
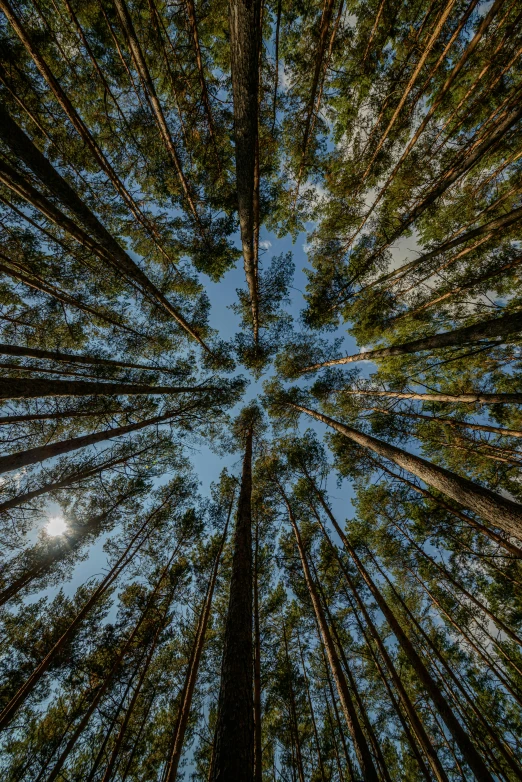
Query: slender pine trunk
258 746
71 358
37 388
473 398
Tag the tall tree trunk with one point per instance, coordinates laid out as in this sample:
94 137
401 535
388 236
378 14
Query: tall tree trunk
340 728
244 20
258 747
453 422
128 555
138 737
148 86
234 736
461 738
71 358
361 746
294 724
409 708
34 455
504 327
120 657
178 734
312 712
69 480
476 397
37 388
104 246
501 512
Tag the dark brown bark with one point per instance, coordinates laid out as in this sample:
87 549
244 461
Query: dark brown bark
361 746
69 480
71 358
244 20
499 511
37 388
504 327
234 736
178 734
276 54
258 747
34 455
25 690
104 246
476 397
461 738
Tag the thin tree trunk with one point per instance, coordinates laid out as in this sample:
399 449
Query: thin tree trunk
276 54
258 746
476 397
37 388
334 740
25 690
71 358
148 85
244 19
361 746
113 256
461 738
34 455
293 714
178 734
312 713
348 759
138 737
453 422
38 563
191 13
69 480
505 326
499 511
120 657
234 736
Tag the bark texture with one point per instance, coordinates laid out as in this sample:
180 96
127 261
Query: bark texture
234 737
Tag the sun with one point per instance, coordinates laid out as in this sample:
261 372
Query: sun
55 526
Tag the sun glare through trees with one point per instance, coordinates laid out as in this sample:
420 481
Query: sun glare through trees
261 402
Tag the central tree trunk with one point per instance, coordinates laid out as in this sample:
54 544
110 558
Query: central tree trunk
234 737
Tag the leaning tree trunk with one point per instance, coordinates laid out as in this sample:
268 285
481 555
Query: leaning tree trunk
34 455
501 512
180 727
128 555
361 746
37 388
476 397
461 738
244 19
71 358
504 327
234 736
69 480
294 725
258 747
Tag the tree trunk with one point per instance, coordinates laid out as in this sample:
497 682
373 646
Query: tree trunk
504 327
363 752
71 358
37 388
138 737
453 422
178 734
498 539
473 398
498 510
104 246
294 725
234 736
258 746
312 713
25 690
461 738
120 657
34 455
244 20
69 480
409 708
